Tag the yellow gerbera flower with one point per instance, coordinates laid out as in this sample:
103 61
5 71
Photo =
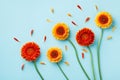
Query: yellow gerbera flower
103 20
54 54
60 31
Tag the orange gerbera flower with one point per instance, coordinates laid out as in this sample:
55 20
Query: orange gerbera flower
85 37
60 31
30 51
54 54
103 20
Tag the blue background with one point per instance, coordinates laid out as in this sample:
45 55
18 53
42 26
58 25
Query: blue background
18 17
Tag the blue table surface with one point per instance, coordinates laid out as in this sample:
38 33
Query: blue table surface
18 17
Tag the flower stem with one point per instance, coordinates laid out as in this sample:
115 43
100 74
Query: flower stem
98 52
91 57
78 59
62 71
37 70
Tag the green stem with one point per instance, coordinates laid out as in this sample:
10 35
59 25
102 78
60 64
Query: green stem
91 57
78 59
98 51
37 70
62 71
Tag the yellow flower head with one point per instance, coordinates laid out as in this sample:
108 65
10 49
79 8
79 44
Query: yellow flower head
60 31
103 20
54 54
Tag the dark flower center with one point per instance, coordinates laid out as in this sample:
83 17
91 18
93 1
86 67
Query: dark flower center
60 30
84 36
54 54
103 19
30 51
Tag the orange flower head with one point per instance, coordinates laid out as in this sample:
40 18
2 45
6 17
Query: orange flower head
54 54
85 37
30 51
60 31
103 20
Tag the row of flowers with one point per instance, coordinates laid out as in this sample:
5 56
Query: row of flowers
30 51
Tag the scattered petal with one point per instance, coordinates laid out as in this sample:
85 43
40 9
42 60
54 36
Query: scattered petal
66 47
48 20
84 50
52 10
87 19
67 63
45 38
96 7
68 14
74 23
16 39
109 37
32 31
22 67
79 7
43 63
83 56
114 28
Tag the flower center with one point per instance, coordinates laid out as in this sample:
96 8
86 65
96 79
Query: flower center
60 30
30 51
84 36
103 19
54 54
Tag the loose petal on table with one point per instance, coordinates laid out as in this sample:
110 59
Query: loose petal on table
16 39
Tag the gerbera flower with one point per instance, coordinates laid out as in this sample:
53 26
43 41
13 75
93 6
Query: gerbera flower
54 54
60 31
30 51
85 37
103 20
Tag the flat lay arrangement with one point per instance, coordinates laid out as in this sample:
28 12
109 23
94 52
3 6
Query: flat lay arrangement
44 40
